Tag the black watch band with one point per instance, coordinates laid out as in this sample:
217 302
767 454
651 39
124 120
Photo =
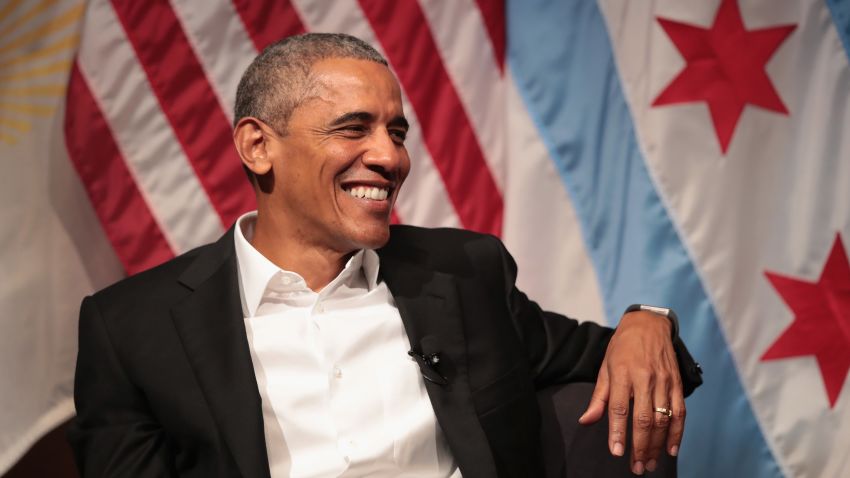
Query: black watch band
666 312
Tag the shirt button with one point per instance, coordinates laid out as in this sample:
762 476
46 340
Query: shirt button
337 372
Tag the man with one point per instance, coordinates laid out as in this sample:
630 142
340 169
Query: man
315 340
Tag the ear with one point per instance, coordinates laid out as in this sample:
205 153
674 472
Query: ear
251 138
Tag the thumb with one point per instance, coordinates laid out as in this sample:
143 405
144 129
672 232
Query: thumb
598 401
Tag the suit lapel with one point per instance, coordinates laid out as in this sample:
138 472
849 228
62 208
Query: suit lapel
431 312
210 324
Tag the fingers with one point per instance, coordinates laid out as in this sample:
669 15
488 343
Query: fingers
642 422
677 422
618 413
660 420
641 366
598 401
595 409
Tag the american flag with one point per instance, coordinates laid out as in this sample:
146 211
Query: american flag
157 80
596 138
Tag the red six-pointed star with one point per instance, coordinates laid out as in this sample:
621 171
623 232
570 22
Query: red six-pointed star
725 67
821 325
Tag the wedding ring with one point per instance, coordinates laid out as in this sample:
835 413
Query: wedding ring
665 411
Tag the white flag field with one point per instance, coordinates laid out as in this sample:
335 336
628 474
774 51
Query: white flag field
687 153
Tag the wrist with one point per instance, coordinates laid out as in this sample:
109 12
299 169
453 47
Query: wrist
662 311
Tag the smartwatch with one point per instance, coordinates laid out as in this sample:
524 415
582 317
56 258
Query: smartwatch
671 316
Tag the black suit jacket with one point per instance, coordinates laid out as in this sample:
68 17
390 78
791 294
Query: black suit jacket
165 384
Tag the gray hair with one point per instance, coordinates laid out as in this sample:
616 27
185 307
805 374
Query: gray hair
278 80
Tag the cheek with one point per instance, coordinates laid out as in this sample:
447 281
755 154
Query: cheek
336 162
404 166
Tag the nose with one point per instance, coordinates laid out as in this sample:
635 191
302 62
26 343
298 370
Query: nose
383 153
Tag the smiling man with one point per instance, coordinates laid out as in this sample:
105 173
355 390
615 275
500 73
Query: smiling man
314 339
327 176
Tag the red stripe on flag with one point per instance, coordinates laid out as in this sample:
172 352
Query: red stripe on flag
268 21
188 101
123 212
403 31
493 12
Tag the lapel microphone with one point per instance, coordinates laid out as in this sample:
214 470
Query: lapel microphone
429 360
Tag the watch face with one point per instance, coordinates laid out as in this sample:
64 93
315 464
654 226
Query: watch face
658 310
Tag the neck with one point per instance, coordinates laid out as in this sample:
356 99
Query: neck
316 264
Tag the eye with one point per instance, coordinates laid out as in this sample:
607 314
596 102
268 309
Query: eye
353 130
398 135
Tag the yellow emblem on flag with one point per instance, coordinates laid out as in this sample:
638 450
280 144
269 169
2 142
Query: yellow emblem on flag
35 41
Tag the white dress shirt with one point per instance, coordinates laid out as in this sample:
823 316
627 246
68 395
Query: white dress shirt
340 395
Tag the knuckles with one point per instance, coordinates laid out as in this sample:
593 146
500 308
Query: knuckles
661 420
619 410
643 421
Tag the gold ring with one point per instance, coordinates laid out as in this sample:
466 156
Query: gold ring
665 411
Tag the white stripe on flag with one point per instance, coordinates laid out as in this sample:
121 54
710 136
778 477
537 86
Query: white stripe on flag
143 134
467 51
221 44
541 228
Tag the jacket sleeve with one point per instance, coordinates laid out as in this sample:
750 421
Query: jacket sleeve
563 350
114 433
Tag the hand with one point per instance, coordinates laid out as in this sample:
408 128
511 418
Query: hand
640 364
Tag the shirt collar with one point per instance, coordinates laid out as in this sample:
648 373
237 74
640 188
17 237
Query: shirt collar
255 270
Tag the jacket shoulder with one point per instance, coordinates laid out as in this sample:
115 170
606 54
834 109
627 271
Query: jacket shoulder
158 282
446 249
443 239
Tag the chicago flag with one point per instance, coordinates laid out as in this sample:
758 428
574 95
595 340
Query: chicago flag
705 147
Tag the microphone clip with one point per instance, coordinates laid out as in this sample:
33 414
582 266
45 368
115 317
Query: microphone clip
429 366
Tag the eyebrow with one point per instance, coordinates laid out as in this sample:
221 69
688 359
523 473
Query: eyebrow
366 117
400 121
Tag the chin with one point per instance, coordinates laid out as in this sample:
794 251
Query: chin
372 237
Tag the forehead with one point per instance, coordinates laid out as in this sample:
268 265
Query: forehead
346 84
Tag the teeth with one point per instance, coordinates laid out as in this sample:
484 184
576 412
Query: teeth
375 194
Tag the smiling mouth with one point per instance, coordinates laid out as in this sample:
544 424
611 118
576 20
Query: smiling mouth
368 192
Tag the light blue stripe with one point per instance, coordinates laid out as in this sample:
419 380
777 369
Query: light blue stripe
840 10
562 61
